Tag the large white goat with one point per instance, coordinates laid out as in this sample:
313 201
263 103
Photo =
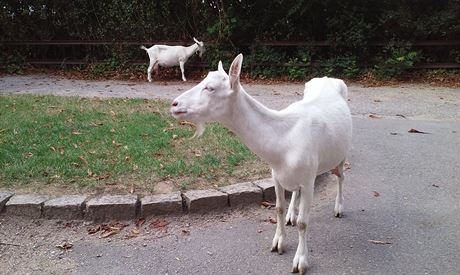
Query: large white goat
168 56
308 138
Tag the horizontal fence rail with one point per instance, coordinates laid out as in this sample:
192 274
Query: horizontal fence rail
91 43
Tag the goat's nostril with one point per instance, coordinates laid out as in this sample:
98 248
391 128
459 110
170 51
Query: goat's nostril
174 103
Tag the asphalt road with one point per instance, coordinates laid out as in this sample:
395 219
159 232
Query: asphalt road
402 189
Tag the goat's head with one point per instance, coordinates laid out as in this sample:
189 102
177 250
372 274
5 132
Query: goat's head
212 99
201 48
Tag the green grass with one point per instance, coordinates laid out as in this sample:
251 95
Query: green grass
61 143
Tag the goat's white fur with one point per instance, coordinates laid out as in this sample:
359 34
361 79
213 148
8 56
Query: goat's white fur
168 56
308 138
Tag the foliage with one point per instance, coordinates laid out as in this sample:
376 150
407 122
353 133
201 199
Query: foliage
263 60
397 59
303 57
11 63
230 27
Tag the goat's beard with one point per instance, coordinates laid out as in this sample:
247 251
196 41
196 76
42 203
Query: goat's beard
200 127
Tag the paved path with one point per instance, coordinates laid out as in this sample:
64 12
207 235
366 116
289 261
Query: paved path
403 188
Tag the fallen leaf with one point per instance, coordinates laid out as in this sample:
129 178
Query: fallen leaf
374 116
111 229
94 229
116 144
403 116
416 131
103 177
376 194
159 223
83 159
271 220
139 222
185 232
76 133
435 185
65 245
96 124
379 242
394 134
89 173
260 231
267 204
377 100
132 234
131 190
187 123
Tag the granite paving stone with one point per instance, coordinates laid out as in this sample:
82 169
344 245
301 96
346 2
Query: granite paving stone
69 207
111 207
243 193
26 205
4 197
160 204
204 200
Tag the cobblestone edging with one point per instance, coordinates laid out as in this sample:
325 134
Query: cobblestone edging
125 207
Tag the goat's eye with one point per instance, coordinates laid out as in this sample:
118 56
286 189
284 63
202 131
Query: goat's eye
209 89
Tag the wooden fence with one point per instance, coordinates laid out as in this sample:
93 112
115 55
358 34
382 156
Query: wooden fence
69 47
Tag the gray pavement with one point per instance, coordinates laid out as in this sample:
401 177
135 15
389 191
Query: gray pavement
403 189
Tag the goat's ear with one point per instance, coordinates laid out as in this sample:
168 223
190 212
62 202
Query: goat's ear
220 67
235 71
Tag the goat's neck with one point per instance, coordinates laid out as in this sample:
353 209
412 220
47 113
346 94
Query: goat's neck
260 128
190 50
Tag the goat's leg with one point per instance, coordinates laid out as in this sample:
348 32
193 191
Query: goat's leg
338 171
293 209
149 70
156 69
280 234
181 64
300 262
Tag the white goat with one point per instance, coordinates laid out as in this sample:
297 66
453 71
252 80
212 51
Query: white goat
308 138
168 56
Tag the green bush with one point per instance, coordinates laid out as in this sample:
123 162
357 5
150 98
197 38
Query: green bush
263 60
11 63
303 58
399 59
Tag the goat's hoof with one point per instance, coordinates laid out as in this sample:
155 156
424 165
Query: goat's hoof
338 215
277 249
278 246
300 267
291 222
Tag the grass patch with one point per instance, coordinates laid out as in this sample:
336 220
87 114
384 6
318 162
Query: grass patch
120 145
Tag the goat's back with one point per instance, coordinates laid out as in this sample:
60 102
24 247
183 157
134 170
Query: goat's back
325 87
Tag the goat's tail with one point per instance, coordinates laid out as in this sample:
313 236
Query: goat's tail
143 47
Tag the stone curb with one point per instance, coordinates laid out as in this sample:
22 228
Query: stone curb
127 207
65 208
243 194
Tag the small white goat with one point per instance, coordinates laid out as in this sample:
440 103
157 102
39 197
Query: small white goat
168 56
308 138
